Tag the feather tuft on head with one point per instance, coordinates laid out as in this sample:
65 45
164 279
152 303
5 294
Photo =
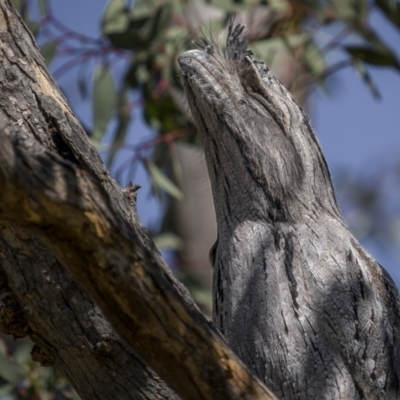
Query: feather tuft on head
237 41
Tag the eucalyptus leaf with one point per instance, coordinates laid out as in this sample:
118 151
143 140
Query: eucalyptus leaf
354 12
379 56
202 297
5 390
168 241
266 49
103 102
314 59
144 8
43 7
115 24
82 86
124 119
74 395
160 180
147 22
160 111
22 353
33 26
158 21
135 29
201 294
3 347
391 9
366 77
142 73
10 370
123 26
18 4
48 51
115 18
279 5
234 5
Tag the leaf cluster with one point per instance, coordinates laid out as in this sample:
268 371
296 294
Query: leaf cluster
301 34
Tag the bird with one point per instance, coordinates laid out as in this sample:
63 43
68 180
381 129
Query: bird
300 301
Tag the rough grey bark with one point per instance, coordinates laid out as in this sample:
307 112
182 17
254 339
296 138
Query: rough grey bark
66 325
297 298
60 208
39 298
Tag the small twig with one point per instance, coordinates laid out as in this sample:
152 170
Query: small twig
336 40
139 148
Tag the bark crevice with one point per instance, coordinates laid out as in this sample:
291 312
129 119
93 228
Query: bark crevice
64 222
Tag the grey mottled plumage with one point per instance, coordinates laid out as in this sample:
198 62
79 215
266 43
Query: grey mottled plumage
299 300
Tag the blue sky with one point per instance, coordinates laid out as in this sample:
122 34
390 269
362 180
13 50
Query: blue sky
353 127
357 132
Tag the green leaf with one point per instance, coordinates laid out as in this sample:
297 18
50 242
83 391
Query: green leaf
115 24
354 12
366 77
43 7
168 241
161 112
97 145
279 5
116 17
314 59
5 390
148 22
10 370
124 119
48 51
135 29
104 100
266 49
142 73
22 354
74 395
161 181
157 23
18 4
3 347
234 5
144 8
33 26
391 8
201 295
82 86
380 56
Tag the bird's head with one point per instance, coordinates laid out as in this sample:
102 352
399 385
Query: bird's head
261 151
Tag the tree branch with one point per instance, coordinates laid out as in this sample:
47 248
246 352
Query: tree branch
68 327
73 214
55 187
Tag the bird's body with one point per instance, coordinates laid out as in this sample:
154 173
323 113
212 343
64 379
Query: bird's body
297 298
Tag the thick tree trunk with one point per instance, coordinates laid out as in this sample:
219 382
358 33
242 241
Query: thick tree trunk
59 208
297 298
66 325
